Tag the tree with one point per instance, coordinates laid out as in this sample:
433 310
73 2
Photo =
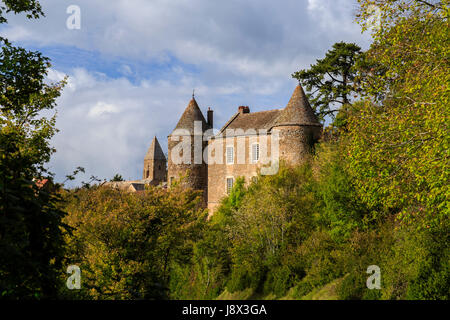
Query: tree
208 272
32 8
30 221
275 215
399 146
329 82
126 244
117 177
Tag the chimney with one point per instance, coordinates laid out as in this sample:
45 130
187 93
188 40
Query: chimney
244 109
209 118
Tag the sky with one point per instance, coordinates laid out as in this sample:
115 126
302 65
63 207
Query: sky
133 64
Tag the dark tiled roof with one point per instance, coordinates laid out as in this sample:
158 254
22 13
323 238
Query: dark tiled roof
255 120
298 111
137 187
155 152
191 114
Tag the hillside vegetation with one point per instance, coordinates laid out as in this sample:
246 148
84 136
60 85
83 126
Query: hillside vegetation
374 192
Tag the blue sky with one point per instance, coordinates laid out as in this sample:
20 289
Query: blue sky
133 64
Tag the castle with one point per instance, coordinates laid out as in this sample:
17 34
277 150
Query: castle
248 144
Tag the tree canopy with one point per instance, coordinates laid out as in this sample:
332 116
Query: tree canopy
330 81
31 243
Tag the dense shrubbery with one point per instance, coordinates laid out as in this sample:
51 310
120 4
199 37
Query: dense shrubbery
297 231
284 235
127 244
30 221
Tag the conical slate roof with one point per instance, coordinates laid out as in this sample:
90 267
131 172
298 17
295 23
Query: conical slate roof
191 114
155 152
298 111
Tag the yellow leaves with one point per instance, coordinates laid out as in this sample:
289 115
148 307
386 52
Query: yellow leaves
121 238
405 136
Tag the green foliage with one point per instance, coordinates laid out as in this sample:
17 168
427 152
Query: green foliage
209 270
32 8
205 277
275 216
304 231
399 145
342 212
117 177
126 244
433 275
231 203
322 261
376 195
30 218
331 80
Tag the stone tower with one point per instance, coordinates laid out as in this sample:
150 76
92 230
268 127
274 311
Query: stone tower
155 164
186 146
298 128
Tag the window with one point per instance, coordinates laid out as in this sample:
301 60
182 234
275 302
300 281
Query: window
255 152
229 185
254 179
171 180
230 155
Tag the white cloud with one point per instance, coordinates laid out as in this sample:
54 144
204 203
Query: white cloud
336 16
125 70
102 109
106 124
55 75
243 53
17 33
258 37
315 5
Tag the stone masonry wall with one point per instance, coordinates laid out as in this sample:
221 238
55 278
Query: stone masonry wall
196 175
219 172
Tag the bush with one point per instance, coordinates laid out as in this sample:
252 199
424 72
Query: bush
127 244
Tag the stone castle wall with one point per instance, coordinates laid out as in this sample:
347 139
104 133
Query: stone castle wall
194 175
155 170
295 142
242 164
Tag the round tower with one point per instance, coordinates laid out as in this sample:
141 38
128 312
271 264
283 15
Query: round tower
185 149
298 128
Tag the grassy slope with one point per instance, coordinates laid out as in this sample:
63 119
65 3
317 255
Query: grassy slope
327 292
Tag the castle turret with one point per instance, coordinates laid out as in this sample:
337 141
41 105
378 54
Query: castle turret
186 146
155 164
298 128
